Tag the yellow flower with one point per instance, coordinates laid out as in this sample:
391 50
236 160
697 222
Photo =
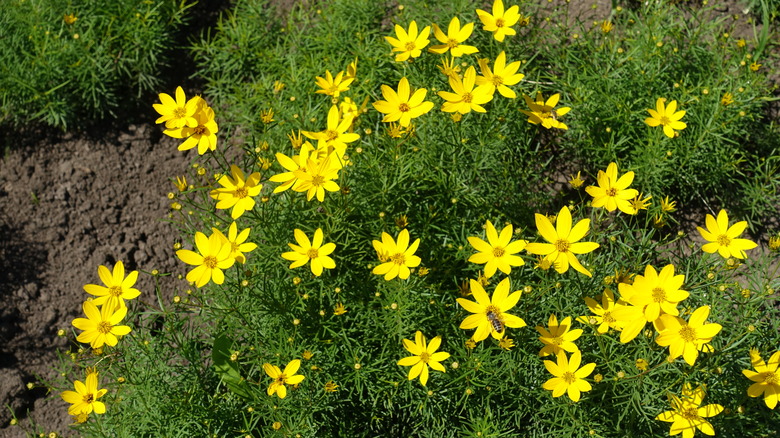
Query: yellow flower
237 242
177 113
613 192
558 337
424 356
339 309
727 99
639 203
316 177
69 18
687 339
100 326
212 258
267 116
398 256
641 364
410 43
449 68
687 414
311 251
181 183
335 136
563 241
498 252
766 378
281 378
237 192
606 26
84 399
545 112
576 181
117 288
666 116
297 162
755 66
331 386
774 243
724 239
352 70
568 378
668 206
333 86
203 134
489 315
465 97
501 76
278 86
404 105
603 314
500 22
296 139
453 40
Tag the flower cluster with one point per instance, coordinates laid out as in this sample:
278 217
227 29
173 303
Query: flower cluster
186 118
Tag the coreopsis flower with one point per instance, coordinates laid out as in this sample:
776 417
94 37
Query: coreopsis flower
237 242
568 378
465 97
727 99
640 203
424 356
687 414
203 134
351 70
397 256
501 76
766 378
84 400
181 183
177 113
724 238
281 378
687 339
576 181
296 139
333 86
544 113
213 256
668 206
606 26
498 252
613 192
335 136
666 116
310 251
774 243
316 177
267 116
339 309
404 105
409 44
100 326
754 66
500 22
603 314
449 68
558 337
489 315
291 164
117 288
563 241
237 192
454 39
69 18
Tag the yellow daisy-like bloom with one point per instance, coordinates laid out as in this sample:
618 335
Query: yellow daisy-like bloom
291 164
84 400
203 135
576 181
237 192
333 86
558 337
316 177
490 315
563 241
640 203
237 242
117 288
177 113
465 97
687 414
310 251
100 326
397 256
613 192
724 238
544 113
335 137
667 116
500 22
213 256
766 378
424 356
569 377
410 43
453 40
603 314
687 339
404 105
498 252
668 206
449 68
501 76
281 378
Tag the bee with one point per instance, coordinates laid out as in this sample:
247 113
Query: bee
495 321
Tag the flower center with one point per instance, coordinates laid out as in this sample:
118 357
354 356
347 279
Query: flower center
771 379
115 291
659 294
498 81
545 114
425 357
452 43
210 262
724 240
498 252
104 327
317 180
612 192
404 107
398 259
690 414
280 379
180 112
234 247
468 97
410 46
500 22
569 377
557 341
200 130
241 193
562 245
333 89
89 398
608 318
312 253
688 334
331 135
665 121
